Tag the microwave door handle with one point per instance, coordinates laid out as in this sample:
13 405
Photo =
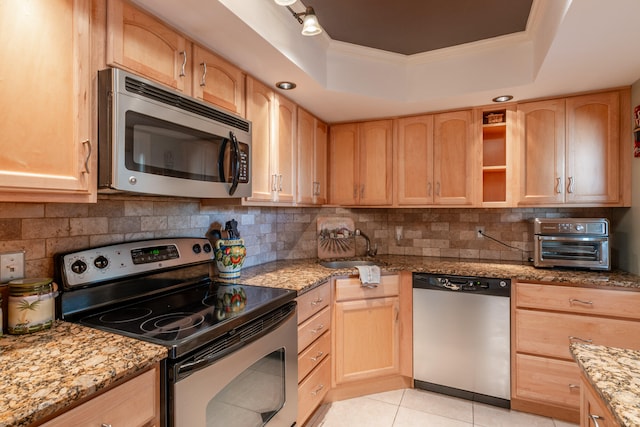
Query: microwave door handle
235 163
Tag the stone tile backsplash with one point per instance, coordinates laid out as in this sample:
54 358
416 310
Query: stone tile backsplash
45 229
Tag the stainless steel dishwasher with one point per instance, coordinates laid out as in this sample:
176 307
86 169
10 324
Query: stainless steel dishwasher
461 337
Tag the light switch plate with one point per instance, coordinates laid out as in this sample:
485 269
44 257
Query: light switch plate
11 266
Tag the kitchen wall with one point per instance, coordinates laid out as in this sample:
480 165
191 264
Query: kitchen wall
45 229
627 236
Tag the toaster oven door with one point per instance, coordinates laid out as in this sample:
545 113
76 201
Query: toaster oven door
590 252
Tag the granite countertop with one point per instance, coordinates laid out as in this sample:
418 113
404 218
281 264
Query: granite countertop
615 375
304 275
45 372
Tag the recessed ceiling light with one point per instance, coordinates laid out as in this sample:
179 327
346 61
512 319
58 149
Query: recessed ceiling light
286 85
503 98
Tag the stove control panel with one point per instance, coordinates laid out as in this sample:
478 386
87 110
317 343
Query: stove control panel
127 259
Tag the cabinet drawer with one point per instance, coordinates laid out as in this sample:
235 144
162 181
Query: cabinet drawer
313 328
312 302
133 403
313 389
603 302
313 355
350 289
547 380
548 334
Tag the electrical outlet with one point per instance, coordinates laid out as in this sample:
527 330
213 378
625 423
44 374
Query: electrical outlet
479 232
11 266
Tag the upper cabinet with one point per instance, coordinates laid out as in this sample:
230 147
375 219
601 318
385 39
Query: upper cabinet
47 151
570 150
435 158
218 82
312 159
360 163
144 45
273 151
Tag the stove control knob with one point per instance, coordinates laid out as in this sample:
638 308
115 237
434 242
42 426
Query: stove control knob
79 266
579 227
196 248
101 262
206 247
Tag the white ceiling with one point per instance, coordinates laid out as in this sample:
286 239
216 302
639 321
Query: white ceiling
569 46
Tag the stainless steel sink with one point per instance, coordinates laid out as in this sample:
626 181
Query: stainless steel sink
346 263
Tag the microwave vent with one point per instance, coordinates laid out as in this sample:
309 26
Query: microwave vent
169 98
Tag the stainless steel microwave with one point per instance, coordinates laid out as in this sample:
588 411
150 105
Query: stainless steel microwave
153 140
572 242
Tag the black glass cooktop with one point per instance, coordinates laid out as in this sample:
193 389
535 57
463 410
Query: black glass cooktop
184 319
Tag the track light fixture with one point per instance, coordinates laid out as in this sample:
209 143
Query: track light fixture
308 19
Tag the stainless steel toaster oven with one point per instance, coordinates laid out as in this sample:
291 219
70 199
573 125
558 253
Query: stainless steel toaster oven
572 242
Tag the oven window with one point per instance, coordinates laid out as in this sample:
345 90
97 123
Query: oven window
162 148
565 250
253 397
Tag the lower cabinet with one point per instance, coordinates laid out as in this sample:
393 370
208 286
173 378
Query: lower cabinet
546 319
134 403
593 411
314 348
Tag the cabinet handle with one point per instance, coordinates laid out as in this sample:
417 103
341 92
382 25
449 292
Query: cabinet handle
573 386
184 63
355 192
317 390
595 419
570 186
317 356
558 185
438 188
429 189
318 329
370 286
105 425
573 300
274 182
86 160
280 182
316 301
203 81
362 191
588 341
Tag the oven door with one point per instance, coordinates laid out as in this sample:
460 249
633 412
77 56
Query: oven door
590 252
256 385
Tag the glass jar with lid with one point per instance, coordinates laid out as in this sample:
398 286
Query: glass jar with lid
31 305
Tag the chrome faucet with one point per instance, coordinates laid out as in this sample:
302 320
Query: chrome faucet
369 252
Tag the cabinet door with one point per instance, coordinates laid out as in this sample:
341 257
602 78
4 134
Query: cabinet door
306 158
284 150
144 45
320 164
414 161
260 110
217 81
593 144
593 410
45 150
343 168
542 141
454 156
366 339
376 162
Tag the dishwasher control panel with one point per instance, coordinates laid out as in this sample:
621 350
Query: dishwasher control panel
480 285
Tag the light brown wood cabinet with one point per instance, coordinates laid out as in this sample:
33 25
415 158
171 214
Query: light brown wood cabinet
593 411
144 45
47 153
571 150
312 159
546 319
218 82
135 403
274 121
435 160
314 349
361 163
371 325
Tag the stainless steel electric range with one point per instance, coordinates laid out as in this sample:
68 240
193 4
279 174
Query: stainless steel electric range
231 348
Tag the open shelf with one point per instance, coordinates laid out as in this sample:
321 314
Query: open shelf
494 156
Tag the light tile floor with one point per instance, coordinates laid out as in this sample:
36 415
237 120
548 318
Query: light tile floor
419 408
